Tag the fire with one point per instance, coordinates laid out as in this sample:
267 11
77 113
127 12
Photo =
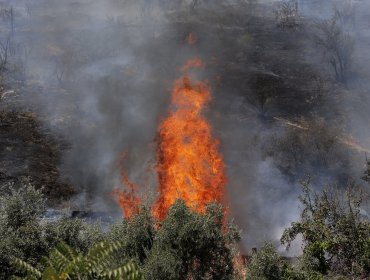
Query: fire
192 63
191 39
189 164
128 199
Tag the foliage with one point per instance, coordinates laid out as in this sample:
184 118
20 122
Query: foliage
74 232
136 234
309 149
338 47
345 12
366 176
20 234
185 245
22 206
64 262
287 14
267 264
189 245
23 236
336 236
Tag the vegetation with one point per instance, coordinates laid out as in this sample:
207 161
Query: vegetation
23 236
185 245
287 14
338 47
334 227
64 262
192 246
336 239
265 68
268 264
335 232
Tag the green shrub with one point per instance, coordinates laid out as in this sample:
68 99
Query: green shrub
336 236
267 264
23 236
63 262
189 245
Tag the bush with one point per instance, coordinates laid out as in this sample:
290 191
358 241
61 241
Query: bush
137 235
267 264
20 234
189 245
74 232
185 245
23 236
63 262
336 236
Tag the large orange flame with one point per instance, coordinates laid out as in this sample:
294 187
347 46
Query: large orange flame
189 165
188 162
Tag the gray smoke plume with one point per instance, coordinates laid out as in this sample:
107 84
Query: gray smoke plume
99 74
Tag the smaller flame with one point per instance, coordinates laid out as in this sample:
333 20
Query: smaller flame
128 199
191 39
193 63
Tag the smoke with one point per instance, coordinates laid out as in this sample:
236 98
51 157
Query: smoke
99 72
94 86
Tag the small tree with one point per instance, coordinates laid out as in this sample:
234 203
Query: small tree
345 13
20 233
336 236
338 47
23 236
267 264
189 245
4 53
286 14
366 176
137 235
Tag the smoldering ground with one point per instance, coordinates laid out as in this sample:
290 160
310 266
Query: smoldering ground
99 73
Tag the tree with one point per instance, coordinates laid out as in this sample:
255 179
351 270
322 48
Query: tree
366 176
287 14
338 47
336 236
64 262
267 264
185 245
189 245
20 234
345 12
74 232
23 236
137 235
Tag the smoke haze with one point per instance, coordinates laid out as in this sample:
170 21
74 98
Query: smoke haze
99 73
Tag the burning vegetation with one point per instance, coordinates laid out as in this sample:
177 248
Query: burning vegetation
189 165
222 109
188 161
